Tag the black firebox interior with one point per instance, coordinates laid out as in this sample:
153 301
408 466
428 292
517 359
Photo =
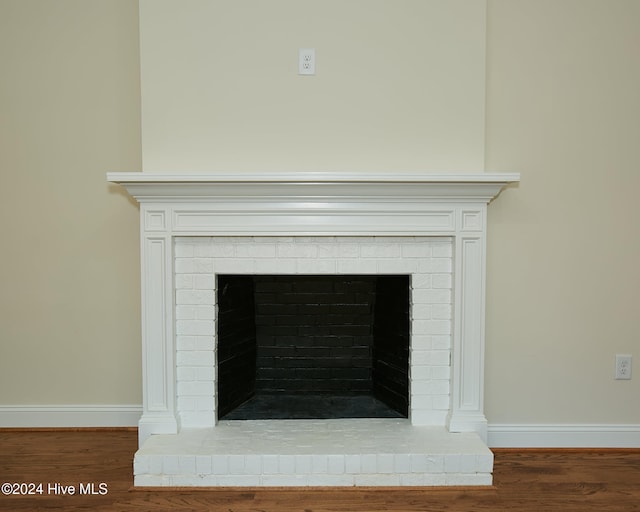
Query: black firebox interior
312 346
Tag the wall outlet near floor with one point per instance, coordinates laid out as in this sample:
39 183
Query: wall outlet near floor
623 367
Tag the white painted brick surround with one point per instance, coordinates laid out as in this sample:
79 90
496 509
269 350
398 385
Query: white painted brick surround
428 260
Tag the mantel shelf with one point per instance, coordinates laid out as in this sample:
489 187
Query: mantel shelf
312 177
190 187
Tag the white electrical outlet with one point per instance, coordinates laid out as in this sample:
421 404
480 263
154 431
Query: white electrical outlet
307 61
623 367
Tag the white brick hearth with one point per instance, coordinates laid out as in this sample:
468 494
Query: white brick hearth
370 452
429 226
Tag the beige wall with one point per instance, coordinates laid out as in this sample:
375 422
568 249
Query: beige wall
564 246
69 278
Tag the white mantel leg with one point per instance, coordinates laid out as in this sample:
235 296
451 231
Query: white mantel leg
158 365
467 390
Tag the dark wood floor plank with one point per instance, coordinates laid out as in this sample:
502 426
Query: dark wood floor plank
525 481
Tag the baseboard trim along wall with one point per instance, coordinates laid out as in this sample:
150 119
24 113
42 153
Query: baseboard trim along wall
34 416
499 435
563 436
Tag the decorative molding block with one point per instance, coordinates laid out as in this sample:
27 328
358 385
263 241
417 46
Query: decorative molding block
472 221
155 221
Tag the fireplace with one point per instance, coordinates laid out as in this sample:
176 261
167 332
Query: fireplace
209 241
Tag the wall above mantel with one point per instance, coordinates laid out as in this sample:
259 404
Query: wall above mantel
397 85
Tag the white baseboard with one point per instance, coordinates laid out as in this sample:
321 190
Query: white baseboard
34 416
563 436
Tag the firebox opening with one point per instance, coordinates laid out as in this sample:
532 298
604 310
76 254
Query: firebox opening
312 346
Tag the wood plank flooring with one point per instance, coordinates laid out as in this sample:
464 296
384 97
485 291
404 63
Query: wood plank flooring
524 480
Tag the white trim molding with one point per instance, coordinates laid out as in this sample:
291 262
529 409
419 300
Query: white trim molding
578 435
38 416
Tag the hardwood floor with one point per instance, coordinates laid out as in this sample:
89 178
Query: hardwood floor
524 480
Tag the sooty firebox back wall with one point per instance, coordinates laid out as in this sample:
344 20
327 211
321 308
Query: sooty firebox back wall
314 335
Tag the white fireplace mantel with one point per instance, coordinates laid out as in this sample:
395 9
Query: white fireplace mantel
312 204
